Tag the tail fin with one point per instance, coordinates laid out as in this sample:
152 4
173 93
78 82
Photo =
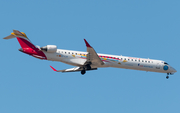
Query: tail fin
22 39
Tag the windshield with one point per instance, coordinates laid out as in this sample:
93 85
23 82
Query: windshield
166 63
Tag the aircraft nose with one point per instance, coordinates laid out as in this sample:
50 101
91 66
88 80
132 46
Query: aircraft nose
173 70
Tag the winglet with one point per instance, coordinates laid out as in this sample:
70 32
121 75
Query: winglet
87 44
53 69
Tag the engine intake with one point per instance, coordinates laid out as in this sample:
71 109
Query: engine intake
49 48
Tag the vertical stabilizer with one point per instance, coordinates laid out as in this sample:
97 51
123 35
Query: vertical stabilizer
22 39
26 45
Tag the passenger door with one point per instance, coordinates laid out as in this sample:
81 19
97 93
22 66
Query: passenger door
158 66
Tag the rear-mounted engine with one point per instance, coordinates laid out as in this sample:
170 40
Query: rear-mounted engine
49 48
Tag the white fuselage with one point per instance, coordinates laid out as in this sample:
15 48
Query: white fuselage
78 58
89 60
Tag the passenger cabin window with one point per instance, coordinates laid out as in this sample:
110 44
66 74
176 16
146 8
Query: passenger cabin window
76 53
148 61
139 61
145 61
131 59
142 60
69 52
128 59
65 52
135 60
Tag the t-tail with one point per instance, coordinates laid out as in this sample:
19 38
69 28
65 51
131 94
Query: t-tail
26 45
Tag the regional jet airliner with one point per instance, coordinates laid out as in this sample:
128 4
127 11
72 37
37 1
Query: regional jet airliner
90 60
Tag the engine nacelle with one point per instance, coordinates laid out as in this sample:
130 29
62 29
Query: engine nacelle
49 48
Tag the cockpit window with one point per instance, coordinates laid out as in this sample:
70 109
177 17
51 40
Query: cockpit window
166 63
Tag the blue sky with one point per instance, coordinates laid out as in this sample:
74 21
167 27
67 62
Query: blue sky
138 28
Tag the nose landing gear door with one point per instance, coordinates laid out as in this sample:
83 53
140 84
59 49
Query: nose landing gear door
157 66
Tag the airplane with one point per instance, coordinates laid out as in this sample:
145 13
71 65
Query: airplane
90 60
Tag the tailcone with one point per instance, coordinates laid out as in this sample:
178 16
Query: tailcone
34 52
20 49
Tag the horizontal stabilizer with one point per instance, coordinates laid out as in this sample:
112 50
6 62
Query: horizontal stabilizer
9 37
16 33
22 39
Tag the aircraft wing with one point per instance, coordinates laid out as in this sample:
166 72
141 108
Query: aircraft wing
92 59
72 69
92 56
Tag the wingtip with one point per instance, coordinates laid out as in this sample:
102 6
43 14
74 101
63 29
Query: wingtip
53 69
87 44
